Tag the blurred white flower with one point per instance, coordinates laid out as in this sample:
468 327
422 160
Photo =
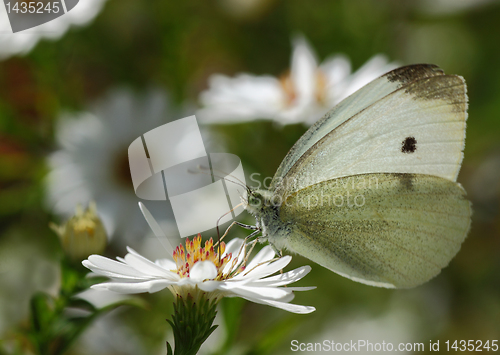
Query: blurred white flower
92 163
24 41
215 272
245 9
109 335
408 319
440 7
303 95
366 333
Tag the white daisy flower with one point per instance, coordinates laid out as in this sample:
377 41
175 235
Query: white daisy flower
92 164
212 272
24 41
303 95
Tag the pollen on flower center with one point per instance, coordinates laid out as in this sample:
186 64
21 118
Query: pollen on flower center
186 258
290 91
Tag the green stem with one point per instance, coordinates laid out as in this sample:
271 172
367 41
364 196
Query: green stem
192 322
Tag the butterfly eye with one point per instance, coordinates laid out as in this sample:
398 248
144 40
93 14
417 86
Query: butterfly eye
255 200
409 145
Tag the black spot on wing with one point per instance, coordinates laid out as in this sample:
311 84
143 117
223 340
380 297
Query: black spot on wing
409 145
405 180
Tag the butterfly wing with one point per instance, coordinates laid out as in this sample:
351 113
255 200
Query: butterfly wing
387 230
414 122
360 100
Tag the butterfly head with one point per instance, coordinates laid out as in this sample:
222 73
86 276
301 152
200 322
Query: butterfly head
257 200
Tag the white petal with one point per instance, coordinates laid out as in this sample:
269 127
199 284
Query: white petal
186 281
265 254
97 263
303 71
134 287
283 279
147 266
234 247
286 298
294 308
203 270
336 69
266 269
167 264
209 286
256 292
242 98
112 275
375 67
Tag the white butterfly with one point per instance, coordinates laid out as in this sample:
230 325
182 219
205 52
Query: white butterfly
370 190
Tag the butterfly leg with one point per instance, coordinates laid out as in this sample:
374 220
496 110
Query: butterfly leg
253 234
276 250
251 248
247 226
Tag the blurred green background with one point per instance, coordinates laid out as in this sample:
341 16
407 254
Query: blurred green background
176 46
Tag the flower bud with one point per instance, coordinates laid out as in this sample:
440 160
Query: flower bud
83 234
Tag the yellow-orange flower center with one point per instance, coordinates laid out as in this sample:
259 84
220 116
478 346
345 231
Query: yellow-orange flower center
290 90
186 258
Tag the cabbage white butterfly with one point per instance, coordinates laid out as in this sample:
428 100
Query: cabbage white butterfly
370 190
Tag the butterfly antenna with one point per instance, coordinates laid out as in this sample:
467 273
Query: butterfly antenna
202 170
241 183
231 175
